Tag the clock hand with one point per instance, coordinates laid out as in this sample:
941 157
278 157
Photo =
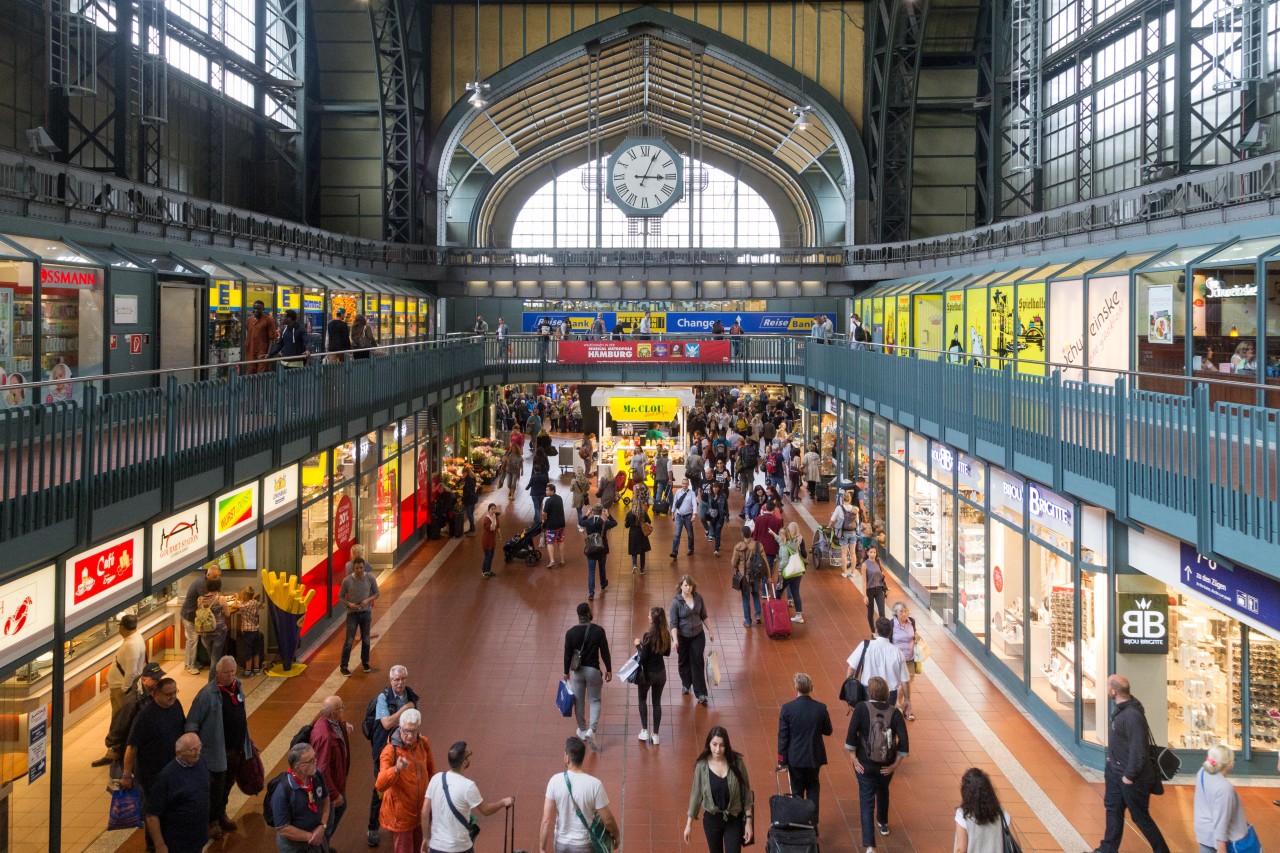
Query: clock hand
646 174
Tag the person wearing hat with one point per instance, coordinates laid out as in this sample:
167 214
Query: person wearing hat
127 665
339 335
122 720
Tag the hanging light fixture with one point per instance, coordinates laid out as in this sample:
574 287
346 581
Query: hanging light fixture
476 87
801 112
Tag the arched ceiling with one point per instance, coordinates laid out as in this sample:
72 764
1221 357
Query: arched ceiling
540 107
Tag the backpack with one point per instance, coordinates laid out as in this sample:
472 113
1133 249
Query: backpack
205 622
757 567
721 449
267 814
860 333
881 743
370 726
304 733
771 466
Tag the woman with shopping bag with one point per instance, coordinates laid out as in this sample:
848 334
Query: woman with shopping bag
690 633
652 649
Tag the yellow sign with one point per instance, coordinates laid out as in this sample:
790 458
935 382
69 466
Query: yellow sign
644 409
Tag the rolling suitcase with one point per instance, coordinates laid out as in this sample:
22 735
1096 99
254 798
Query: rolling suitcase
777 619
662 507
793 822
824 492
786 840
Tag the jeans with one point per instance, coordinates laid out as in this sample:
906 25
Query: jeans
488 561
717 525
537 506
470 511
193 640
375 805
594 563
587 683
1137 799
806 782
656 684
662 490
875 598
724 832
793 589
683 523
363 620
750 592
335 816
693 670
214 644
220 785
873 796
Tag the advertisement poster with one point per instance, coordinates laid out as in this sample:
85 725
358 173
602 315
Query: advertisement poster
890 324
103 575
602 352
1108 326
676 322
280 492
1003 341
954 323
904 325
1029 328
928 322
6 324
37 743
235 511
179 540
26 613
1066 340
1160 314
975 308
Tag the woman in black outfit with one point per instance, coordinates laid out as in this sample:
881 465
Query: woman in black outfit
538 479
654 648
637 543
690 634
543 442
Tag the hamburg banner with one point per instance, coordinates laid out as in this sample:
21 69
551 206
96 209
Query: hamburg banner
605 352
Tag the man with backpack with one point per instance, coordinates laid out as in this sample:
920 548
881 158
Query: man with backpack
299 802
749 561
381 717
877 740
775 469
329 736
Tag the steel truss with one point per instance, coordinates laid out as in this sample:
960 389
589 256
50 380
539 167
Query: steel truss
897 37
393 22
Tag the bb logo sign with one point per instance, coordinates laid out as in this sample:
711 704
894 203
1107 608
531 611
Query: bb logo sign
1143 623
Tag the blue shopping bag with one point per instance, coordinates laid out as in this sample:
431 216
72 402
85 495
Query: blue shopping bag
564 699
126 809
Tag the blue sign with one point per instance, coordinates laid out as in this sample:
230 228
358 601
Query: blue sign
1243 590
677 322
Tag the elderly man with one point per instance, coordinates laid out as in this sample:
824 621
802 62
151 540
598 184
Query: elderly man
300 804
330 737
122 720
177 813
188 612
879 657
157 725
404 771
393 702
217 714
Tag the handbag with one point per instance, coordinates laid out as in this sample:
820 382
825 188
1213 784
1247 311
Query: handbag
794 567
1248 844
473 828
594 546
736 580
601 840
627 672
126 809
564 699
646 528
1165 761
921 652
1011 844
251 777
575 662
713 668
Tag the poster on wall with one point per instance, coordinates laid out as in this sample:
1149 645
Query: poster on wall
604 352
954 324
179 541
904 325
280 493
1003 339
1142 623
1029 329
677 322
26 613
1066 338
6 324
1160 314
975 307
1108 324
234 512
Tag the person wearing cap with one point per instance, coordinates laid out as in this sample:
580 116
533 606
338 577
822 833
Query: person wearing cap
339 335
127 665
122 720
292 340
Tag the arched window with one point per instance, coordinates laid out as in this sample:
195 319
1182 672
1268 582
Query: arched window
729 214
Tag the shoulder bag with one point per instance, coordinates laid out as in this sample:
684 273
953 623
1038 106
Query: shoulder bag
853 690
1011 844
575 662
473 828
1165 761
601 840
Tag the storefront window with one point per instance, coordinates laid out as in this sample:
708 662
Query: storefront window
313 317
1203 673
1008 589
17 330
226 304
1264 693
1224 313
1094 560
1160 321
971 544
24 790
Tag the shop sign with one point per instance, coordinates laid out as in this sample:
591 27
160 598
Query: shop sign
37 743
1236 587
1216 289
943 458
1050 510
235 511
1143 623
69 277
26 613
179 539
831 404
370 304
1008 497
424 472
648 409
280 492
969 472
343 523
679 322
109 568
605 352
312 302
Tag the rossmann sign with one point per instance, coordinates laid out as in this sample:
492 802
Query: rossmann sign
69 277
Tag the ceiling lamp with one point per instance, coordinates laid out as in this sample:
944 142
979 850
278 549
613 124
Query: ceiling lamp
802 117
478 92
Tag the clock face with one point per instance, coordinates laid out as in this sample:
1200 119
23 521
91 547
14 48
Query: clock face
646 177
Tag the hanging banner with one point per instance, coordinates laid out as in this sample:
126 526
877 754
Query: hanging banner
1234 587
676 322
601 352
644 409
1160 314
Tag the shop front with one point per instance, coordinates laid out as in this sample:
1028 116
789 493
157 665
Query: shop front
462 419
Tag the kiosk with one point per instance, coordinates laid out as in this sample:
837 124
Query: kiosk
629 406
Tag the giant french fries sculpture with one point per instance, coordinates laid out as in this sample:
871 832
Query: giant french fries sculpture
287 601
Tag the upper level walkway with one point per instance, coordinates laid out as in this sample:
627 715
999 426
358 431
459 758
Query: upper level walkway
76 472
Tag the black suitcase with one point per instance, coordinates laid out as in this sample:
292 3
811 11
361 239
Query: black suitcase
661 507
783 839
824 492
455 525
788 811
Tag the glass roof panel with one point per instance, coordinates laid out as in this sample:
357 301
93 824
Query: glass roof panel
52 251
1124 263
1177 258
1243 251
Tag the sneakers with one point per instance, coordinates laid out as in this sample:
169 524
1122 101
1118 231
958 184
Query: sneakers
374 839
673 555
345 672
653 738
604 585
643 736
634 570
591 596
716 553
702 700
798 619
884 828
487 575
685 691
746 623
581 733
366 667
581 529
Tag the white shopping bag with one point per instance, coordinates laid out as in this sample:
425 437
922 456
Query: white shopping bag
713 668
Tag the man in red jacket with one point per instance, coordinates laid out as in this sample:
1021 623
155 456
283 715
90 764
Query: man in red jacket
767 525
329 738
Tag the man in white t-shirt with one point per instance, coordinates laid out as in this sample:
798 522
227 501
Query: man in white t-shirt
447 829
573 800
883 658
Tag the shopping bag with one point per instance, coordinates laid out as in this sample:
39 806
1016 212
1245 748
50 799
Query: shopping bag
629 669
921 653
251 777
564 699
794 567
126 809
713 668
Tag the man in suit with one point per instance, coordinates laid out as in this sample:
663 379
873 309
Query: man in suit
802 724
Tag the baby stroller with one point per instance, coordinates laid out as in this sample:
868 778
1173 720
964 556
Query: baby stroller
520 547
826 547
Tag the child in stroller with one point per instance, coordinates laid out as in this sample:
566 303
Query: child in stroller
521 546
826 547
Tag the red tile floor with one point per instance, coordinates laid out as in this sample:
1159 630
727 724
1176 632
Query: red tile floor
486 657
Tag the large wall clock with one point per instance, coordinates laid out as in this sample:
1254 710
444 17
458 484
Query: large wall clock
646 176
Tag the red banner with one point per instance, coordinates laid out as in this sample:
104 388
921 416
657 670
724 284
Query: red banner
603 352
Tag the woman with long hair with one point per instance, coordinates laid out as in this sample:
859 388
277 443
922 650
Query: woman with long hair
543 442
511 471
722 792
978 826
362 339
654 648
875 585
690 634
790 542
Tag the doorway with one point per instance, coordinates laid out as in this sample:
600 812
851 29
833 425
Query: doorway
180 328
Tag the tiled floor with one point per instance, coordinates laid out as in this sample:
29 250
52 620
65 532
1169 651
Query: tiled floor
486 657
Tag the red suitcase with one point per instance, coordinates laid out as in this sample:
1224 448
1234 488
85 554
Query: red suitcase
777 619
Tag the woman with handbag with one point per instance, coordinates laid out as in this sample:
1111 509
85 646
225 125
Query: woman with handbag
714 508
792 558
875 585
637 519
904 637
597 525
722 792
654 648
1219 815
690 633
980 822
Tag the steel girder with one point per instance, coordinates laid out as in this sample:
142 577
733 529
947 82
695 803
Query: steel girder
896 33
280 49
393 21
75 78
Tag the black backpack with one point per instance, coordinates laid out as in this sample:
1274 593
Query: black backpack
270 794
757 567
304 734
370 726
